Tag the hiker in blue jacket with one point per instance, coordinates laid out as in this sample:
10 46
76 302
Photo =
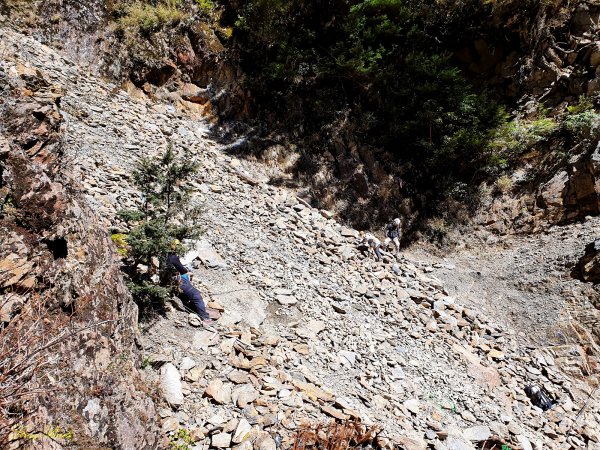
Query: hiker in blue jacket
185 284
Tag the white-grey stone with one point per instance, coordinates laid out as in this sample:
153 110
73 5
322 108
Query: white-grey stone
186 364
242 431
478 433
170 382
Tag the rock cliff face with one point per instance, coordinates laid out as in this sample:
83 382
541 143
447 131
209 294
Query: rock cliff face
545 50
552 191
185 64
69 324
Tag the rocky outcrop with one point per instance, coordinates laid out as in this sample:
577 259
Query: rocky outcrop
545 51
549 190
166 63
573 192
588 267
69 323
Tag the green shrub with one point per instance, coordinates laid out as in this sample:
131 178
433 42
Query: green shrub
583 123
504 184
148 295
583 105
165 215
181 440
139 16
206 6
167 13
146 17
519 134
130 215
120 241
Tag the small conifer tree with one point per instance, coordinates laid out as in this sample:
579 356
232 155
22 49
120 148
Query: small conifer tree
166 215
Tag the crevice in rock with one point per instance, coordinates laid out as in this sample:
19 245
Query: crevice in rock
29 144
58 247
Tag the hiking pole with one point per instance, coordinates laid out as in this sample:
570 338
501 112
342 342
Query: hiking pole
228 292
586 403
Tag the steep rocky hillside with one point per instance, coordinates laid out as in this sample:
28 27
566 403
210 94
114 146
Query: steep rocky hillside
311 329
180 57
68 337
326 130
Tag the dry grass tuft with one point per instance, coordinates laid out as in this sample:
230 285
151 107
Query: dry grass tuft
349 435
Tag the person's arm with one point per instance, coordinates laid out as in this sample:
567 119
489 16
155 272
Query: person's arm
174 259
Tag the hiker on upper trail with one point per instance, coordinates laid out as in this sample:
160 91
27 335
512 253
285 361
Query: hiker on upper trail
185 285
393 234
371 243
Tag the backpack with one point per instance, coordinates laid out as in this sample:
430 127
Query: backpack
539 397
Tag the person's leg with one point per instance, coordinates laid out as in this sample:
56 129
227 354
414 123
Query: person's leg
386 243
397 244
195 298
378 253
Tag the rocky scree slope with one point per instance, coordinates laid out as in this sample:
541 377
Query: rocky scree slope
68 341
184 61
311 328
529 282
541 54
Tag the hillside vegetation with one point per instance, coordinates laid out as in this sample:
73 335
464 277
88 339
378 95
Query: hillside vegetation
378 108
382 89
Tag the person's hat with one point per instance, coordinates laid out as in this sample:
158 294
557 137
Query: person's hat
397 221
175 243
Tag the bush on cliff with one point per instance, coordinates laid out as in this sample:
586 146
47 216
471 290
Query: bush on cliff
166 214
380 68
147 17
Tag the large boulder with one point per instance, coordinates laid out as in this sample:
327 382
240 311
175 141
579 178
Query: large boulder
588 267
170 382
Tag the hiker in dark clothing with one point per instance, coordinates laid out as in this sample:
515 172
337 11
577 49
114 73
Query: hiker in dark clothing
185 284
174 260
194 296
370 242
393 234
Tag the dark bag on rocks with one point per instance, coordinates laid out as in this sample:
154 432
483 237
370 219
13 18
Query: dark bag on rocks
539 397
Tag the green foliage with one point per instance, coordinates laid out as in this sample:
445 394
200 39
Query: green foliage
162 183
376 66
181 440
583 123
154 237
511 139
53 432
206 6
120 241
165 215
146 17
148 295
504 184
519 134
130 215
584 104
